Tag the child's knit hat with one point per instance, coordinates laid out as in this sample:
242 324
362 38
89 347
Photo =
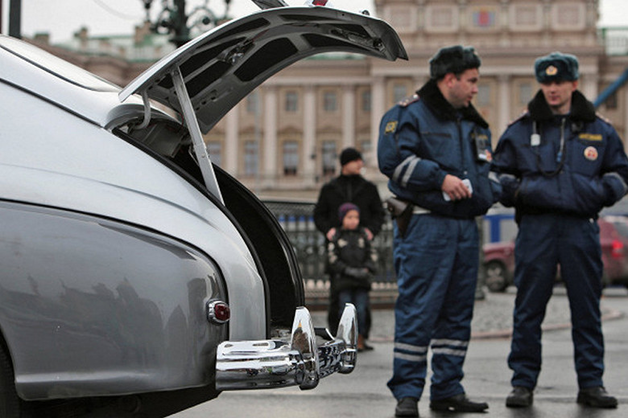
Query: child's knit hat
344 208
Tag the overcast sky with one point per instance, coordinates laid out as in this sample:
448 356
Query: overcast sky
61 18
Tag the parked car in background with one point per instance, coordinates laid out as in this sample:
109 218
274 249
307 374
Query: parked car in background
499 257
614 241
499 265
138 279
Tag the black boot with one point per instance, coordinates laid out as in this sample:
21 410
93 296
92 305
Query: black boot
597 397
458 403
407 407
520 397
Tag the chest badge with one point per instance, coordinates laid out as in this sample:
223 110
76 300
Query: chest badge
590 153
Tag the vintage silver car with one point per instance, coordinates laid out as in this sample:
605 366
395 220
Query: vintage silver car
137 278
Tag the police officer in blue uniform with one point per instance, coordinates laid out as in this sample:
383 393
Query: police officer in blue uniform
435 149
559 164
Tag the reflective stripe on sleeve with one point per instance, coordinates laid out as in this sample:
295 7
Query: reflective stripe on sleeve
406 168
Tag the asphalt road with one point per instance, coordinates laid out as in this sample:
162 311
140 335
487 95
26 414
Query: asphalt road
364 393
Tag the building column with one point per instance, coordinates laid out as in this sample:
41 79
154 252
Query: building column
378 108
588 86
269 169
232 142
348 116
309 136
504 98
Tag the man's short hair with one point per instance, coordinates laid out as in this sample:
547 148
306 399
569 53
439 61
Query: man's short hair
556 66
453 59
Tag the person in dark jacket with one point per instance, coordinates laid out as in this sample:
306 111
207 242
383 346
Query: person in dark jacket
440 164
559 165
352 263
350 187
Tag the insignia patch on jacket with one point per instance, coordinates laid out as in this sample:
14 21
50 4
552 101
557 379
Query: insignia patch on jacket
590 153
390 127
590 137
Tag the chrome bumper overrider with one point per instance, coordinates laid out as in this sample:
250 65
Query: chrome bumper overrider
294 360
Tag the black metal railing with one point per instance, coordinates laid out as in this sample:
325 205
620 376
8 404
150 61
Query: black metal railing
309 244
297 220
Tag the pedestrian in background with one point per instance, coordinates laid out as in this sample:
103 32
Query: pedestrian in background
350 187
435 148
352 263
559 165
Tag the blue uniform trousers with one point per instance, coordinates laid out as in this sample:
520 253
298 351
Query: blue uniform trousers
543 242
436 265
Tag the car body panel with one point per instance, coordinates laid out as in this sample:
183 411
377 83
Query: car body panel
110 317
222 66
613 242
133 188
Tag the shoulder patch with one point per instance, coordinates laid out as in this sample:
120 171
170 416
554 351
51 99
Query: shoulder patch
408 100
605 119
390 127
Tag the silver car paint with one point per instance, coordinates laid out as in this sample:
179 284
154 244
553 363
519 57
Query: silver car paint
132 187
129 310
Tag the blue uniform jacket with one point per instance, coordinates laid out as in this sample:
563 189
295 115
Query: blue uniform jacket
577 175
431 140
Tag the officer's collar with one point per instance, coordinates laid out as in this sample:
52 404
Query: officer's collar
581 108
432 96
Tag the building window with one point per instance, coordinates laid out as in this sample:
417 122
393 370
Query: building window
290 158
525 93
442 16
399 92
214 149
251 157
329 158
292 101
330 102
366 101
252 102
568 15
611 102
526 15
484 95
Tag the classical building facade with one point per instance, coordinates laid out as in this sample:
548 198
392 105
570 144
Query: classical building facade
283 139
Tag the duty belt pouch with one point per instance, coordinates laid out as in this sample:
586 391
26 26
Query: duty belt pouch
401 212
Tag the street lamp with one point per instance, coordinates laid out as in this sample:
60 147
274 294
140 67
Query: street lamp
172 19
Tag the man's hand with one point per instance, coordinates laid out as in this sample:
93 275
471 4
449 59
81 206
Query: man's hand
330 234
455 188
369 234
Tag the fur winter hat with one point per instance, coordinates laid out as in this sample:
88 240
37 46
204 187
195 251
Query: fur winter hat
556 66
453 59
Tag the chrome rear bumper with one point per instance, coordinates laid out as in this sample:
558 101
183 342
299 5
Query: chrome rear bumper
296 359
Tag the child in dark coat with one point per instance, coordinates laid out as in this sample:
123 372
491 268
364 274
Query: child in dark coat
352 262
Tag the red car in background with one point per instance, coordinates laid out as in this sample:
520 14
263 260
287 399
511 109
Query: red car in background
499 257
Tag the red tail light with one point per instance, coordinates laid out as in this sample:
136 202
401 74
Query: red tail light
617 249
218 312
